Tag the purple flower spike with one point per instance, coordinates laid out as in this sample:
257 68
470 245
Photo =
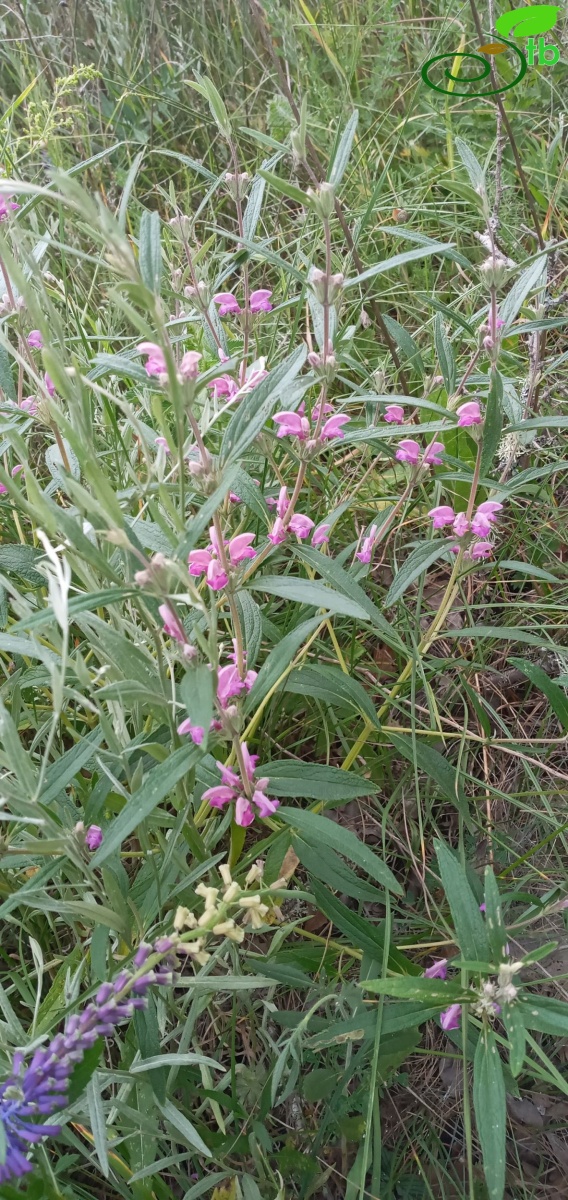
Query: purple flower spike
438 970
450 1017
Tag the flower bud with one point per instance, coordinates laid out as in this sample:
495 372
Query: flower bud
494 272
323 200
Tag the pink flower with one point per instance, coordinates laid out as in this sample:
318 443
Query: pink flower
490 508
29 405
469 414
481 524
16 470
364 554
408 451
229 778
327 408
481 550
450 1017
249 760
155 362
438 970
188 367
301 525
240 548
291 424
3 489
265 806
230 684
234 498
218 796
172 624
216 577
259 301
244 812
223 385
432 455
277 533
6 205
271 502
394 414
198 561
34 339
332 427
461 525
93 837
320 535
442 515
161 441
232 789
282 503
227 303
49 384
196 732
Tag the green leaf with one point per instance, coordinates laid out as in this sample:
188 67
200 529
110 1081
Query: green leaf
528 569
330 570
308 591
84 1070
532 278
545 1015
399 260
471 164
496 932
324 864
512 1018
469 925
360 931
508 633
189 1134
197 524
277 664
528 20
493 424
150 250
21 560
160 781
333 686
405 342
343 152
255 408
318 831
7 384
251 624
97 1123
207 88
415 565
313 781
434 764
196 692
555 695
284 187
16 758
490 1111
545 422
445 354
432 992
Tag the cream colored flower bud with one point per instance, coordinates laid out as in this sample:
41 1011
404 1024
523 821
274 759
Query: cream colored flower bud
225 873
249 901
207 917
256 872
209 894
224 928
232 893
256 916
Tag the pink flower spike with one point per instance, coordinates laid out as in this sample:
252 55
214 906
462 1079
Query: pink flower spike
364 554
332 427
244 813
438 970
394 414
450 1017
481 550
442 515
432 455
189 366
282 502
301 525
218 796
172 625
229 684
265 806
408 451
490 508
228 304
155 363
196 732
228 777
481 524
291 424
198 561
320 535
277 533
249 760
223 385
461 525
34 339
29 405
259 301
49 384
93 837
216 576
240 548
469 414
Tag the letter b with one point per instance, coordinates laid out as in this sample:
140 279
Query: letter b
543 60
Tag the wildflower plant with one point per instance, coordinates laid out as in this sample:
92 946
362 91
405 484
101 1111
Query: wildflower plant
193 583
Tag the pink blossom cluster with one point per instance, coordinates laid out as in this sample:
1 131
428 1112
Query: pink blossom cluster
225 386
230 686
411 452
480 525
7 205
297 424
468 414
259 301
231 789
208 562
298 524
156 362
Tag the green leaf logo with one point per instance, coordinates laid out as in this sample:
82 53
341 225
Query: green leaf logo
526 22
